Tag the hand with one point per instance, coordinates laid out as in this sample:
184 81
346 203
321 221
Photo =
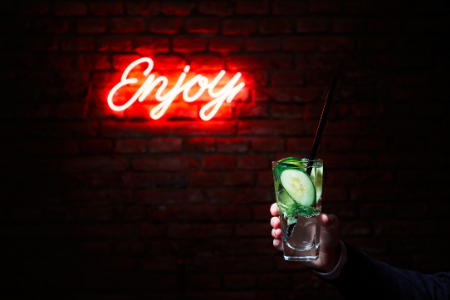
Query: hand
330 249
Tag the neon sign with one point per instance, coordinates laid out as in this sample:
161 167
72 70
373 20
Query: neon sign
207 112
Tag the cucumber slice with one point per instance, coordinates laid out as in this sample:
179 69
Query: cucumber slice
284 201
317 179
299 186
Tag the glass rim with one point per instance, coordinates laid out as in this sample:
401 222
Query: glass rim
308 160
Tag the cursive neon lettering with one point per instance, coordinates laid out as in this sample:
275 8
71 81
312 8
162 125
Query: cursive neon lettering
207 112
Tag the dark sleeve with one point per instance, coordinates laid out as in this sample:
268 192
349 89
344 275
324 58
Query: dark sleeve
366 278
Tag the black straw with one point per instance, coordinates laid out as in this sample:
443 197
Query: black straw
323 118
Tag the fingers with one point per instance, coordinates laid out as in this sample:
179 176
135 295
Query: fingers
274 210
329 235
278 244
275 222
276 233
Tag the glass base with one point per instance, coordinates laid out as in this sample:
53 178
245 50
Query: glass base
297 255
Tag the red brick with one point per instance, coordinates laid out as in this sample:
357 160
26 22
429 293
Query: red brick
267 144
159 264
337 44
56 61
225 44
90 25
355 228
77 44
132 130
217 8
288 7
202 25
93 62
384 193
137 180
253 162
338 144
234 213
131 146
252 7
144 8
253 110
69 8
106 8
95 146
177 163
360 7
177 8
207 62
205 180
133 213
102 181
270 128
172 180
287 111
376 211
271 26
238 27
127 25
371 144
93 164
259 62
194 231
348 25
299 44
201 145
299 144
253 229
63 147
238 179
188 44
324 6
168 197
200 282
78 129
232 145
165 25
97 213
265 44
411 210
115 43
205 128
265 178
33 8
377 176
218 162
283 78
165 145
397 227
150 45
41 43
384 26
129 247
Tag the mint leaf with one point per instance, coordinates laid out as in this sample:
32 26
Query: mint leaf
292 211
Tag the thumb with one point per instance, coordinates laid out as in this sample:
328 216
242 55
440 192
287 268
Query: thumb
329 235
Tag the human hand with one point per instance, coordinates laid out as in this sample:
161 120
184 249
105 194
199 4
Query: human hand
330 249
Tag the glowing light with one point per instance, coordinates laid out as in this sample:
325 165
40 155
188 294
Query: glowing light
207 112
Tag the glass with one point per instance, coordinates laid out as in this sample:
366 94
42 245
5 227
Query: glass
298 190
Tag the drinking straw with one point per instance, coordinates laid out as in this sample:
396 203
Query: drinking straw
323 118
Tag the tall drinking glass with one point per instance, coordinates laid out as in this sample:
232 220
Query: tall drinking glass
298 190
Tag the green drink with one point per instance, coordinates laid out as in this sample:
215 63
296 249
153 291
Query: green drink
298 189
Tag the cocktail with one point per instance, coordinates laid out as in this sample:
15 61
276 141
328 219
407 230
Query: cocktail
298 190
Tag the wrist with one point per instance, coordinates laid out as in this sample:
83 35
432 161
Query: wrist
326 273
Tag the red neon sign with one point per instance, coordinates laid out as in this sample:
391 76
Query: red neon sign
207 112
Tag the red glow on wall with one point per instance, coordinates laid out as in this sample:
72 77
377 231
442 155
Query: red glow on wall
191 90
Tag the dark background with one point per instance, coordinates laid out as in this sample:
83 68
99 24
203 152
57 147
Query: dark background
103 205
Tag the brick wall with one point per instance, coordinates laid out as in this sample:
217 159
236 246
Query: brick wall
97 204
